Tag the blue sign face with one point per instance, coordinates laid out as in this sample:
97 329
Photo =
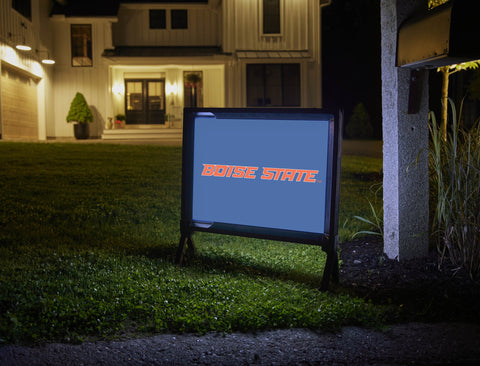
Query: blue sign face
261 172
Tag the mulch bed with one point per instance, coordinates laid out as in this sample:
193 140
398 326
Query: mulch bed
425 292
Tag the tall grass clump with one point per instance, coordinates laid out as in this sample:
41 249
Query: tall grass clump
455 181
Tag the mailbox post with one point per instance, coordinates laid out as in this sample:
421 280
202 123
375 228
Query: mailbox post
411 44
405 184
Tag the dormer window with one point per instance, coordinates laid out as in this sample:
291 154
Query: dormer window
81 39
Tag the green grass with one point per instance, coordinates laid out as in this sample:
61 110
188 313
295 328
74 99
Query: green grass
88 234
361 185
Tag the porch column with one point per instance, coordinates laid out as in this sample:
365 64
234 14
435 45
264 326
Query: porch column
405 144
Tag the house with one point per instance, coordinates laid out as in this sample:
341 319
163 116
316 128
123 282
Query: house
147 60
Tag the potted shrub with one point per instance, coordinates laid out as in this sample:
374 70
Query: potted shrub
120 121
81 116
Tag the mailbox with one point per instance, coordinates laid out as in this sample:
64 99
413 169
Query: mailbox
446 35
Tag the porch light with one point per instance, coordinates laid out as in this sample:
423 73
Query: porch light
118 89
21 45
47 60
172 88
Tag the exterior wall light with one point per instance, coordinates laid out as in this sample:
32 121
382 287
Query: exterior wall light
172 89
21 45
47 60
118 89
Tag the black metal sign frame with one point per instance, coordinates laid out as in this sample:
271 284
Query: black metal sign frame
327 240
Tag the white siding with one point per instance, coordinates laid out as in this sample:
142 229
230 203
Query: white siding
133 28
242 23
11 29
92 81
37 34
234 25
301 24
214 86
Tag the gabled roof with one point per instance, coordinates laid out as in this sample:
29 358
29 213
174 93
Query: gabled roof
99 8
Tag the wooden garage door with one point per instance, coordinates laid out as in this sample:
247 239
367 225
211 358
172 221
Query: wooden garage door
19 105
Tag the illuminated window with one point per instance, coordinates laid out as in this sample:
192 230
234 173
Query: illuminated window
81 45
134 95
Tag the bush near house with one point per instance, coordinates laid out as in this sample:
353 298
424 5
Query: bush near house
79 110
359 125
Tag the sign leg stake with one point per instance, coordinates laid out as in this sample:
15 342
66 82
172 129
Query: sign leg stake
331 271
185 242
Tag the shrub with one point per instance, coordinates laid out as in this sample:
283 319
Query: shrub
359 125
79 110
455 179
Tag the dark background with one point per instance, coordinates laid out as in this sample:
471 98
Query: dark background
351 58
351 51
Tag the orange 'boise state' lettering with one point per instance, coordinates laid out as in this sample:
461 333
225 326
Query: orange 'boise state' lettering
248 172
234 171
297 175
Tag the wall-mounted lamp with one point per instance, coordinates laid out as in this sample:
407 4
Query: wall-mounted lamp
47 60
21 43
172 89
118 89
23 46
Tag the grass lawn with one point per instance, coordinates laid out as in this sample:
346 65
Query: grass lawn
88 234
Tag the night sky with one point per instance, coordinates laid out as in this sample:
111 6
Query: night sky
351 58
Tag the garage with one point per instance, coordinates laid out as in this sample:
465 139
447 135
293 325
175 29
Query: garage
19 117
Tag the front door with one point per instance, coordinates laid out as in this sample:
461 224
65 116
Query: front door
145 101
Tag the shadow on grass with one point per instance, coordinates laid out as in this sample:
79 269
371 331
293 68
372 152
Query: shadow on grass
208 262
240 265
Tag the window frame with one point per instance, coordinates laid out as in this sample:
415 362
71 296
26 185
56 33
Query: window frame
261 18
172 11
89 46
283 81
152 12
